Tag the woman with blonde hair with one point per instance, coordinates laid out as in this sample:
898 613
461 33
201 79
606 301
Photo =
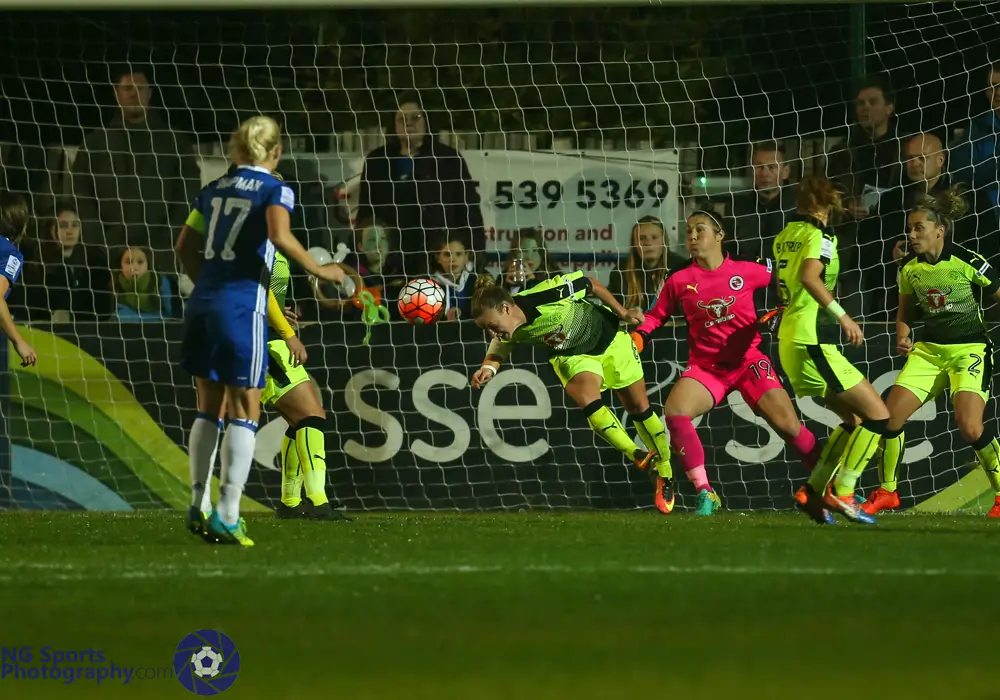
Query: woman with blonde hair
808 340
227 246
637 280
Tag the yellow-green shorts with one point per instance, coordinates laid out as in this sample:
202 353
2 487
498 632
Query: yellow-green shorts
618 366
817 370
282 377
932 367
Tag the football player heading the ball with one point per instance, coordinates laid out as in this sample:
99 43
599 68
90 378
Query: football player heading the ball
721 299
589 353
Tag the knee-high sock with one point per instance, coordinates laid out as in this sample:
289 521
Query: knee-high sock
860 448
988 451
237 458
654 437
806 446
830 456
291 470
203 444
311 445
686 444
892 447
605 423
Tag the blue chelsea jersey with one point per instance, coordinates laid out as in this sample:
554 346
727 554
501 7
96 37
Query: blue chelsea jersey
231 213
11 262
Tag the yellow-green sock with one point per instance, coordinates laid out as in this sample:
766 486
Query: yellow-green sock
892 447
988 451
829 457
311 444
860 448
605 423
291 473
654 437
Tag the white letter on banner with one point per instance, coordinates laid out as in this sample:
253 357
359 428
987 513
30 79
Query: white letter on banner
489 412
432 412
388 424
753 455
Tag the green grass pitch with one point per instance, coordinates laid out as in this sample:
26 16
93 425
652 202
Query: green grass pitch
520 605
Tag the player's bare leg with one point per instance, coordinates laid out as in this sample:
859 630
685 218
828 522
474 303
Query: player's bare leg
654 437
902 403
688 400
225 526
304 455
969 408
775 407
203 445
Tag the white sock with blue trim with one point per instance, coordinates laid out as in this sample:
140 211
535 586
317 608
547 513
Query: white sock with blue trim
203 443
237 458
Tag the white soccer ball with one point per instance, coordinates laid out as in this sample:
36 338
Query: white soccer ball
206 662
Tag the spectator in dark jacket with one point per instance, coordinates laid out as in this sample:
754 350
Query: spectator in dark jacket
974 161
872 163
761 214
67 279
136 175
417 185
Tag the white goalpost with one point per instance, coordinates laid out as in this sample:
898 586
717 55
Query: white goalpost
572 121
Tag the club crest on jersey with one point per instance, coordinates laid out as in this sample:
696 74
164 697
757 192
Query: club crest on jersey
736 283
718 310
937 299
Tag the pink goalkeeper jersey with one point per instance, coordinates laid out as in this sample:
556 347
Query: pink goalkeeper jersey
719 306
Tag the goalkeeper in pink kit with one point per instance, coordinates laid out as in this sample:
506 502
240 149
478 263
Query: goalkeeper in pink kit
719 297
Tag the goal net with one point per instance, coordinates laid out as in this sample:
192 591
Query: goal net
551 133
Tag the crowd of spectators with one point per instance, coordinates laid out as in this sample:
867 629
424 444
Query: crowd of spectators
106 249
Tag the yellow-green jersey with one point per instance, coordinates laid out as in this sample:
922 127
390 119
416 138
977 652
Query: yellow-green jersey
802 321
281 277
561 319
949 293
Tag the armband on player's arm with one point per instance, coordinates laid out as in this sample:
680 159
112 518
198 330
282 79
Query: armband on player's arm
276 318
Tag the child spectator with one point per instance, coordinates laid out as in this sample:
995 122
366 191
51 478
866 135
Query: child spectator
66 279
141 294
453 268
529 247
636 281
377 260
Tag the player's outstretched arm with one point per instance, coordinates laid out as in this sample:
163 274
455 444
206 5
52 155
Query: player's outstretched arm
23 350
279 232
605 295
812 282
491 364
652 320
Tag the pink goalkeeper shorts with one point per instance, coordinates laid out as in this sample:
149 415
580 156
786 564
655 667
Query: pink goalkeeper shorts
753 377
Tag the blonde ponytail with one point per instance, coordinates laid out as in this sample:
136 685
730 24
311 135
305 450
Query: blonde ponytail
254 141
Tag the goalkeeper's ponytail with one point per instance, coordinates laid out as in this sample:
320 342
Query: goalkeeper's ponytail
489 295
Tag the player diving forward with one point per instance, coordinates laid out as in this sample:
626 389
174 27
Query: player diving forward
808 266
589 354
238 220
943 280
720 297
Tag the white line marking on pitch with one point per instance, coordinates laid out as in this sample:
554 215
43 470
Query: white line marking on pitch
68 572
